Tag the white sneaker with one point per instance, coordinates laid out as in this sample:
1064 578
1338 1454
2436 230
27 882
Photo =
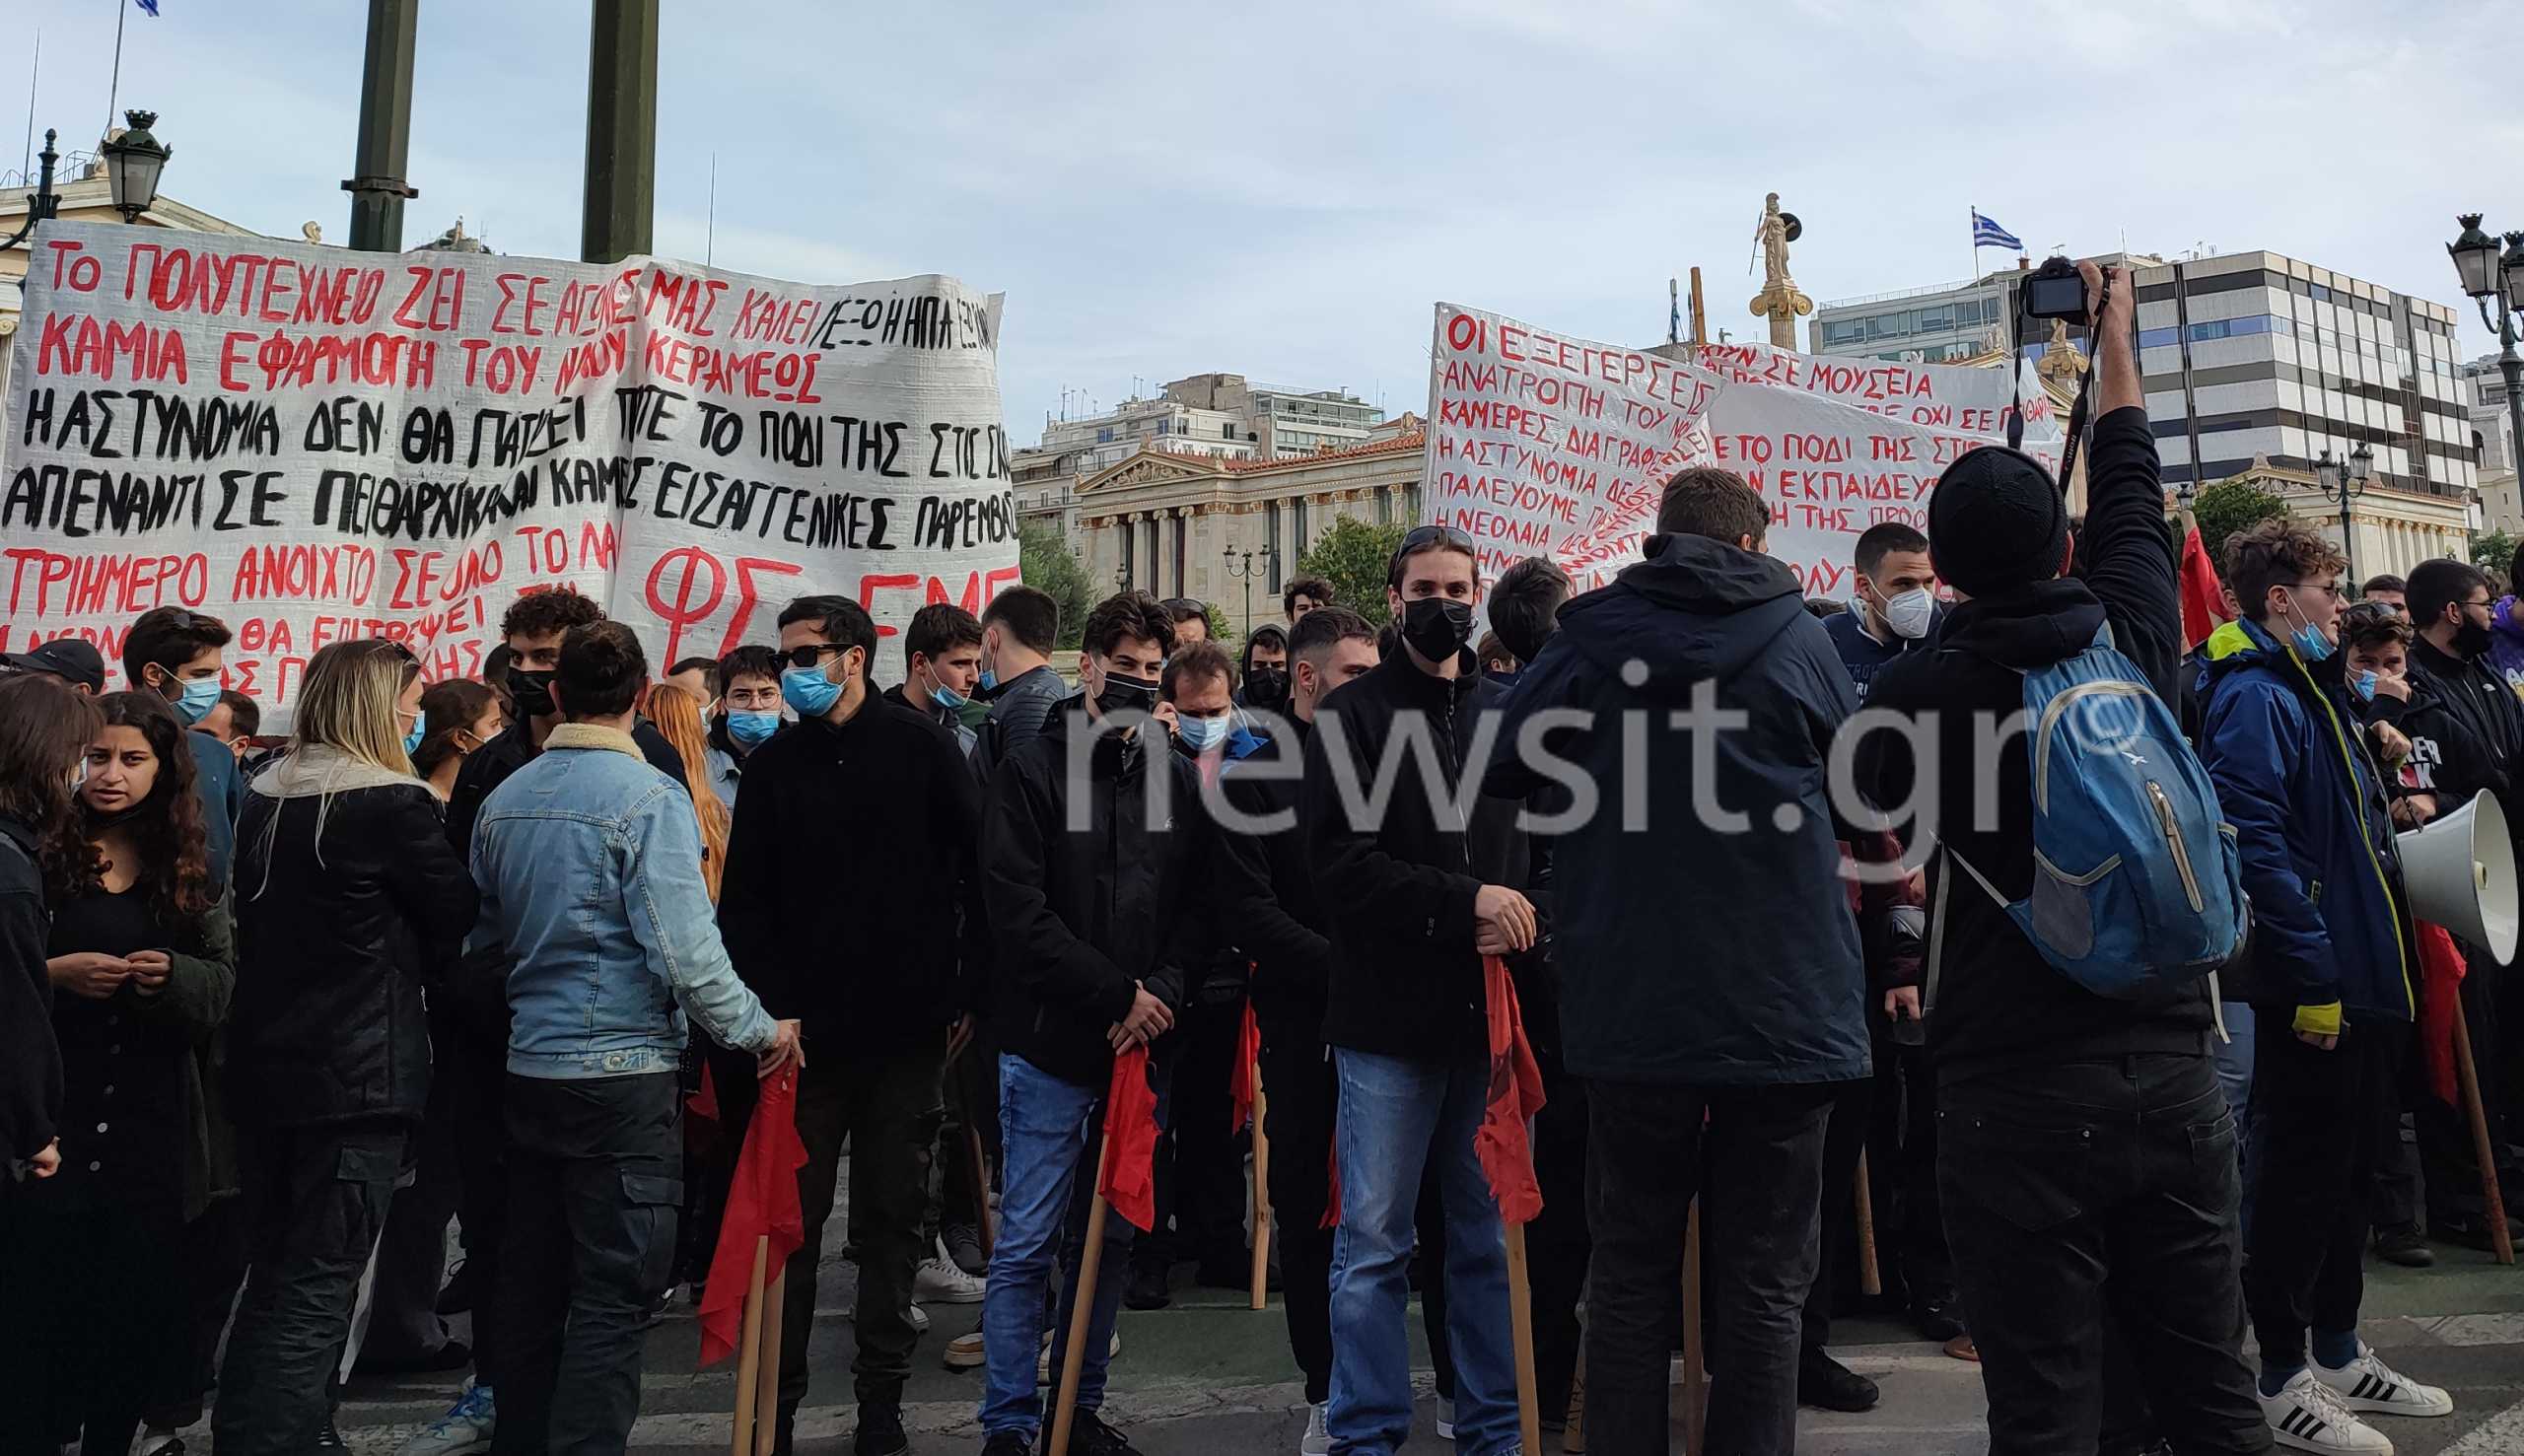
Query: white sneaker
2309 1416
1445 1419
2367 1383
1317 1440
966 1352
919 1318
466 1427
940 1282
1043 1363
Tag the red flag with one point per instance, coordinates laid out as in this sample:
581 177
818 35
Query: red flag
762 1200
1515 1095
1332 1183
2440 970
2203 598
1239 1082
703 1105
1127 1181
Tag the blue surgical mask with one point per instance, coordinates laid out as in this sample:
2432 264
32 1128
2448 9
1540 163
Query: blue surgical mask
412 739
1204 733
942 696
990 679
2311 645
808 690
199 696
2364 685
751 728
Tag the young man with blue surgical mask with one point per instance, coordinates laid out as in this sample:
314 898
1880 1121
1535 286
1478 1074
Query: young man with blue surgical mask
178 655
846 880
748 715
942 667
1896 605
2331 980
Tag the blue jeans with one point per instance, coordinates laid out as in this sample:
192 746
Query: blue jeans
1048 1133
1396 1116
2234 1059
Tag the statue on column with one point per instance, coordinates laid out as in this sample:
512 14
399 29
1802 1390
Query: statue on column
2061 364
1779 300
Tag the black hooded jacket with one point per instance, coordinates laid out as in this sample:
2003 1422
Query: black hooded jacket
1697 949
1998 1005
1083 913
1267 897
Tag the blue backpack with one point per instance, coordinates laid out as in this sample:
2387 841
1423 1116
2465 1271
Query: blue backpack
2136 881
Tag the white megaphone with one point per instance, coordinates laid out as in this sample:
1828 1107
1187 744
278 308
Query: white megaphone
2460 871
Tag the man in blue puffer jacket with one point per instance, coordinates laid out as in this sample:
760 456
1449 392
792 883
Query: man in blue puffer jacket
2331 980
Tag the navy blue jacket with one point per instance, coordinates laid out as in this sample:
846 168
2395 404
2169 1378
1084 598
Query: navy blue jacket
2293 776
1686 953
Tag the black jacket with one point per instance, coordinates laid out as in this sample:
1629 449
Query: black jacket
30 1058
1080 914
850 875
1998 1005
1397 894
1266 891
336 938
1021 709
1771 987
2464 717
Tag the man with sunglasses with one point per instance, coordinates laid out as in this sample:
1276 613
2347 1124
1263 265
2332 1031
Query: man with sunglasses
2450 604
848 877
2332 981
1411 913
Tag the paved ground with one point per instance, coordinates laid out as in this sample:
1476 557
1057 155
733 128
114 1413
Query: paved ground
1208 1376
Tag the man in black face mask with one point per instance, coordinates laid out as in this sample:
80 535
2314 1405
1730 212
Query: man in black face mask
1266 670
1410 911
2449 603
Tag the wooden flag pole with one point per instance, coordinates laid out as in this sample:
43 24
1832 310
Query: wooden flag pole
1261 1196
984 1228
1700 315
1520 1327
2501 1243
1870 1276
1695 1373
749 1352
1082 1305
766 1398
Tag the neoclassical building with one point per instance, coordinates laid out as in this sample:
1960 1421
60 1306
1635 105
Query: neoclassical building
1183 526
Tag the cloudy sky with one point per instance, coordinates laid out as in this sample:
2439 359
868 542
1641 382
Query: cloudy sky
1284 190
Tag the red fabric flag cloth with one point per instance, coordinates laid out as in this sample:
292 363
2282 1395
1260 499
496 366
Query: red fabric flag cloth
762 1199
703 1105
2440 973
1239 1082
1332 1183
1515 1095
1128 1179
2204 599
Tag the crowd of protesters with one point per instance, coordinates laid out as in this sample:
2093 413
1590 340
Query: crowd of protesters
277 1016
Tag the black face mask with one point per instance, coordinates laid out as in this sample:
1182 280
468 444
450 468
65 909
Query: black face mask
2471 639
1437 627
532 689
1126 695
1267 688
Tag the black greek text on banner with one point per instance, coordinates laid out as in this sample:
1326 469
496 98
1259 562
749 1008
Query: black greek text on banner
315 444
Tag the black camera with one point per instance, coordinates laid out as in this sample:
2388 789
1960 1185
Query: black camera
2054 291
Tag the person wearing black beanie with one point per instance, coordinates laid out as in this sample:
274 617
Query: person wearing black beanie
2041 1083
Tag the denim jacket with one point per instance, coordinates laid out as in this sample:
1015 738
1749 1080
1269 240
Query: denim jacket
589 866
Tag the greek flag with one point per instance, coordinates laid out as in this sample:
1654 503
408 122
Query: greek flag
147 7
1988 234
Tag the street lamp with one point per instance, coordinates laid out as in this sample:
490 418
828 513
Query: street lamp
134 162
2342 484
44 203
1246 573
2478 264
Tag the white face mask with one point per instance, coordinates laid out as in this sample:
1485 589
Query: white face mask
1910 612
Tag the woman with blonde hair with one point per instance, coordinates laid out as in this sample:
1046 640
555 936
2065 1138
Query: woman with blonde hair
348 900
677 717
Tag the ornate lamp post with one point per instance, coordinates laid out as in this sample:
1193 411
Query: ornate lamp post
2343 483
134 162
2489 278
1245 574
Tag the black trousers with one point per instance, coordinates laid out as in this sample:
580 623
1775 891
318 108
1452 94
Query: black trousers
1200 1161
1901 1170
885 1101
1836 1263
2097 1195
2446 1155
595 1188
1558 1246
403 1323
2317 1115
469 1062
1759 1152
1304 1092
315 1200
95 1320
212 1255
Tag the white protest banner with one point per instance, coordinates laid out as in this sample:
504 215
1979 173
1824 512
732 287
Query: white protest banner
1546 445
315 444
1940 397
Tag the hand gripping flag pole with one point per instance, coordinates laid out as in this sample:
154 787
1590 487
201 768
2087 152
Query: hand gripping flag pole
1124 1156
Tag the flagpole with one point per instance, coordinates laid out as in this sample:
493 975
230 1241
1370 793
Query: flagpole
114 90
1261 1193
1520 1329
749 1354
1083 1300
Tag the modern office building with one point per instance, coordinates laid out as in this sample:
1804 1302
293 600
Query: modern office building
1943 323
